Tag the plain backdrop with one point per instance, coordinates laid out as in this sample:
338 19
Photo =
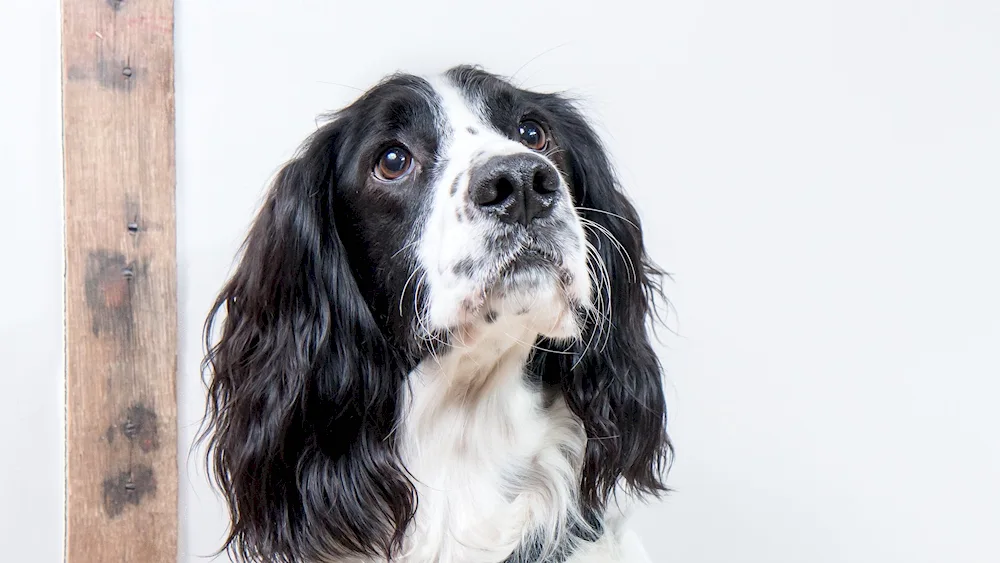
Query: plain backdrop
31 276
821 177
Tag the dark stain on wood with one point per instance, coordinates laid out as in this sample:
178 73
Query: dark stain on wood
112 74
108 287
128 487
115 74
139 427
116 5
109 435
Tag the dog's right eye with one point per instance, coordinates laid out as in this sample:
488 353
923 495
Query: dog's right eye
394 163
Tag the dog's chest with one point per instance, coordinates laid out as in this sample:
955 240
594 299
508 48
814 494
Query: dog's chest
491 464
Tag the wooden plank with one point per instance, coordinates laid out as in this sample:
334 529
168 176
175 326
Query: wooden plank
121 310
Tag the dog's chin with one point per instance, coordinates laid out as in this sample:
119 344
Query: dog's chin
540 307
531 298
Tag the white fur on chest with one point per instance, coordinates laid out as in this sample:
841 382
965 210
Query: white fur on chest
490 461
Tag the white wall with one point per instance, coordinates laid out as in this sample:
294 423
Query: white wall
31 277
822 178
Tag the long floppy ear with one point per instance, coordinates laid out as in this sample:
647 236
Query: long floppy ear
613 381
304 390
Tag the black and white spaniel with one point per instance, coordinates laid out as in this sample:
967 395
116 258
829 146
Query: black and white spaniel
434 348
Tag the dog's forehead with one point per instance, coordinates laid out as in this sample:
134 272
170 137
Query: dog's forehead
460 106
456 103
474 114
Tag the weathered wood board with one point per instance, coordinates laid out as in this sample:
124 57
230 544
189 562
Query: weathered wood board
121 310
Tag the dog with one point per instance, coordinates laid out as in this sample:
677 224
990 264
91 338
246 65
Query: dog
435 346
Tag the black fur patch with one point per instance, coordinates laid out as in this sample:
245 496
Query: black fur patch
531 551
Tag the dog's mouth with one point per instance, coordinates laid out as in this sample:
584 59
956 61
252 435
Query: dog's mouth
531 258
528 261
529 279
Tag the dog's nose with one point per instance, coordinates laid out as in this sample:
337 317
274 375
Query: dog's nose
516 188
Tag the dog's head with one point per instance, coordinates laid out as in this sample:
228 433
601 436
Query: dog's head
451 199
423 212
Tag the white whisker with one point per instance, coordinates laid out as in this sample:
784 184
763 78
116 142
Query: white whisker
611 214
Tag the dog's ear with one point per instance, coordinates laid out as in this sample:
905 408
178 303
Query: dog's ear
304 390
613 381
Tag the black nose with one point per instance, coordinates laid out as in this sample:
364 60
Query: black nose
517 188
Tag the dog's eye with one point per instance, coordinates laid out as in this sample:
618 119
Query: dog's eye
393 164
532 135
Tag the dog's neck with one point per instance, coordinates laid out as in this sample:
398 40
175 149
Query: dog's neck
494 464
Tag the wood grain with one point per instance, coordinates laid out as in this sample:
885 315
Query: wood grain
121 310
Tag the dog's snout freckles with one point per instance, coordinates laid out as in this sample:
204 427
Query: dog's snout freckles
501 232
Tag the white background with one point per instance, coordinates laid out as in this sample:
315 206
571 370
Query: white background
821 177
31 277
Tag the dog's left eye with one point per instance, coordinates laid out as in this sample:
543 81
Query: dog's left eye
394 163
532 135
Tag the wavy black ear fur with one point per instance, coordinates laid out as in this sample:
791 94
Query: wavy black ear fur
613 381
304 388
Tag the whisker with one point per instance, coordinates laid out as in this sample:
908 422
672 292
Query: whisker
554 151
606 328
535 58
402 294
611 214
602 308
619 247
405 246
427 334
339 84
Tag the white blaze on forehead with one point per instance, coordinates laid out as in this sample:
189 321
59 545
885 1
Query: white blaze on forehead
457 110
467 132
